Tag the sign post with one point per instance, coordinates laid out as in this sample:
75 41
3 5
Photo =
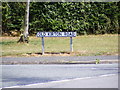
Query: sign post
71 45
56 34
42 45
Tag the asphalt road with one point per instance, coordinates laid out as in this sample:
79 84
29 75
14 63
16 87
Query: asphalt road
20 75
103 81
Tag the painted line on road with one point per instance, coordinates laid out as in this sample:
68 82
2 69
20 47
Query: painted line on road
107 75
66 80
94 77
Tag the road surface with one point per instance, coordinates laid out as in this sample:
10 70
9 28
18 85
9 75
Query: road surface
103 81
22 75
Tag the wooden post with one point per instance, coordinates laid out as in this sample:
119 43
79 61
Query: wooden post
42 45
71 45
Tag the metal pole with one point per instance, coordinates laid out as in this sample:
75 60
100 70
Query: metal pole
42 45
71 45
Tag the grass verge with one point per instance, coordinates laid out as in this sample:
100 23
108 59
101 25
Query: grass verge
82 45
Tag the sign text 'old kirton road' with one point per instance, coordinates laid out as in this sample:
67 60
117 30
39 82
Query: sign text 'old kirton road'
56 34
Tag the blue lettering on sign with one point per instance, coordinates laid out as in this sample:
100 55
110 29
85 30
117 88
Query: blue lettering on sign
56 34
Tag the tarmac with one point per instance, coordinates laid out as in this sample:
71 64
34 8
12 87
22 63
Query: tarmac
103 81
108 81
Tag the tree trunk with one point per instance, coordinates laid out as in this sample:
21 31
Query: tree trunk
25 36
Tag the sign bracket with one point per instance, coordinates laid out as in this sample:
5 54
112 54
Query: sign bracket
43 46
71 45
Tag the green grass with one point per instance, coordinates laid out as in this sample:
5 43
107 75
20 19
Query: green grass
82 45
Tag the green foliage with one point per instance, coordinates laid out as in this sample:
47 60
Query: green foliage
12 16
83 17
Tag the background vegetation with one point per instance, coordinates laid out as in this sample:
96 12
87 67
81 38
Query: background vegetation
83 17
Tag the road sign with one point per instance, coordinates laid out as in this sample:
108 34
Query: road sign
56 34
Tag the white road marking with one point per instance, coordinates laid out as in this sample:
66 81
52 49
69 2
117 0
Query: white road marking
107 75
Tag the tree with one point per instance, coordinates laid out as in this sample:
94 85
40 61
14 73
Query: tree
25 36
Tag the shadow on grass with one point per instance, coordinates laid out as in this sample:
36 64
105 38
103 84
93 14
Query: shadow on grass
50 53
7 43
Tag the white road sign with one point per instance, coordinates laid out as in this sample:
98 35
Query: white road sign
56 34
